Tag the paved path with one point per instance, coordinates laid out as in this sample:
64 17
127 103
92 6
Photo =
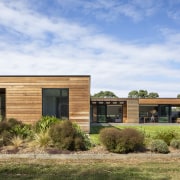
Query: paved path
92 156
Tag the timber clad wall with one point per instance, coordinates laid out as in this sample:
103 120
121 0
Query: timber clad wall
132 110
173 101
24 96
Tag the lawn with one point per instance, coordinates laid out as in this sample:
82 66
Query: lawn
123 169
148 130
94 169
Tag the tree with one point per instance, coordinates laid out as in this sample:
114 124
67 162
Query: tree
133 94
105 94
142 94
178 96
153 95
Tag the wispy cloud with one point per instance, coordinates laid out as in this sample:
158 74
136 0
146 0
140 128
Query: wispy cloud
33 43
113 10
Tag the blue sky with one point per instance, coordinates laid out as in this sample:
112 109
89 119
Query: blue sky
123 44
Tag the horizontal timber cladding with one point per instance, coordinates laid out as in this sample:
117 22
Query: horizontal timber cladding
172 101
132 111
24 96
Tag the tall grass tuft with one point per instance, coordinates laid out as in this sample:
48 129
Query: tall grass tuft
42 139
17 141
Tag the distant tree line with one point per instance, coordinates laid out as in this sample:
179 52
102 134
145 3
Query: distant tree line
105 94
142 94
132 94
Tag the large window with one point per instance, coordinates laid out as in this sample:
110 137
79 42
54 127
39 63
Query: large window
2 103
56 103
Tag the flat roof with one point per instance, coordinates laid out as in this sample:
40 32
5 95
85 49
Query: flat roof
45 75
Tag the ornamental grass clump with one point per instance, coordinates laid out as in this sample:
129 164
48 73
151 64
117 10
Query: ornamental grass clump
17 141
45 123
159 146
42 139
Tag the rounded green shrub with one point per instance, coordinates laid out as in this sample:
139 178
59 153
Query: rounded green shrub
166 135
109 138
159 146
175 143
66 136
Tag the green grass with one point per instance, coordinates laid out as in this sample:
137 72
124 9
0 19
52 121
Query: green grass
148 130
90 170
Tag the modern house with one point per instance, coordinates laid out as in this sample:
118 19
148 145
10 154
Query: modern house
128 110
27 98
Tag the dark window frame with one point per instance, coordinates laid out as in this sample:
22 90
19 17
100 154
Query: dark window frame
59 98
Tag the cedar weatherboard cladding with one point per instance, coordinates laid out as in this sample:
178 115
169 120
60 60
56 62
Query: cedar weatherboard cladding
172 101
24 96
132 110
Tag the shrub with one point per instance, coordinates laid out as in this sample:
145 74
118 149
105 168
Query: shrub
13 127
83 137
6 137
65 136
175 143
23 130
159 146
45 122
79 143
166 135
109 138
130 140
4 126
122 141
13 122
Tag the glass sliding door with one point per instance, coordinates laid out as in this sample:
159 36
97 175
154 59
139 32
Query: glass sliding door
164 113
114 113
56 103
101 113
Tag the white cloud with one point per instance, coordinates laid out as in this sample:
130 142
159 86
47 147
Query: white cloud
58 46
